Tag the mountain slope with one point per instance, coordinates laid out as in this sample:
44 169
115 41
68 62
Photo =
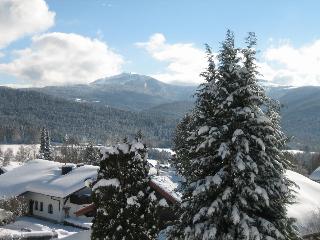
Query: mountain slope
174 109
301 116
23 113
125 91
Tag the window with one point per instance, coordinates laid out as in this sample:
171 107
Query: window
41 206
50 209
36 205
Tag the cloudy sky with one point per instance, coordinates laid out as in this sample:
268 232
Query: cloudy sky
57 42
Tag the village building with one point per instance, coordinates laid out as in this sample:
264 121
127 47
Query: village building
54 191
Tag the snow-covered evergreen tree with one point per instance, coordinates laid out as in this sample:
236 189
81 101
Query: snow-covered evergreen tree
126 205
91 155
237 188
42 143
181 159
45 151
48 148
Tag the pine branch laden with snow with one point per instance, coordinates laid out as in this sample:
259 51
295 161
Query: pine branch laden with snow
231 155
127 208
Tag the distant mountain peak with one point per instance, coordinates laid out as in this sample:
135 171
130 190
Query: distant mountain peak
125 78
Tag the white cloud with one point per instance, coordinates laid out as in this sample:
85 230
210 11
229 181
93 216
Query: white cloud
61 58
184 61
288 65
19 18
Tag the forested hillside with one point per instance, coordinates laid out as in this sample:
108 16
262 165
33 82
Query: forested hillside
126 91
23 113
301 117
155 108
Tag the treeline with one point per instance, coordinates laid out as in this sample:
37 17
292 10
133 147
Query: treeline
24 113
304 162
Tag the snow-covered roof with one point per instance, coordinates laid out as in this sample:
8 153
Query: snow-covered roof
315 175
42 176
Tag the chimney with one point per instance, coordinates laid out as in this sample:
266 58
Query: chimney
66 169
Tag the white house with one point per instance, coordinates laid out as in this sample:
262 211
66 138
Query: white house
54 191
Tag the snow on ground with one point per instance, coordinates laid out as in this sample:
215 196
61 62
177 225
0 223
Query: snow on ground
78 222
294 152
84 235
307 197
36 227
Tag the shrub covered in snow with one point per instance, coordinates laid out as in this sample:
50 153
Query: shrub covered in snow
126 206
230 153
14 207
5 217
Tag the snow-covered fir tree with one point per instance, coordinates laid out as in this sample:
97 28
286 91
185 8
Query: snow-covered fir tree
91 155
45 151
181 159
127 207
237 188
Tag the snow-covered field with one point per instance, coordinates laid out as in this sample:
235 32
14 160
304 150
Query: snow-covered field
294 152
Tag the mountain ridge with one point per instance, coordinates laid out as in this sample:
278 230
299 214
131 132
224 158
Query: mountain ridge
141 94
125 91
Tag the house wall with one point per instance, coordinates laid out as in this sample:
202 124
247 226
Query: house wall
58 212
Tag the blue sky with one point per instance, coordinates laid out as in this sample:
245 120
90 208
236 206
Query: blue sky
161 38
